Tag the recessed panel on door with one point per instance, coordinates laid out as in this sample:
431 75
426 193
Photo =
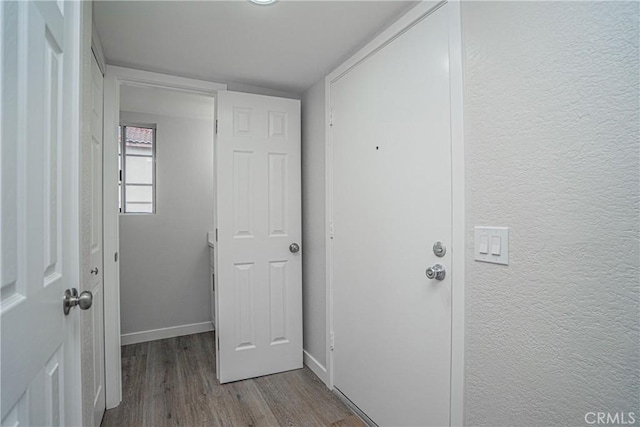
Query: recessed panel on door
244 286
242 121
278 302
277 124
53 116
54 375
243 193
277 194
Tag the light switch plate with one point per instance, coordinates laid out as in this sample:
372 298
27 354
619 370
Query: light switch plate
491 233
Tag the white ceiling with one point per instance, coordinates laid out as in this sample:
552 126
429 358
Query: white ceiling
286 46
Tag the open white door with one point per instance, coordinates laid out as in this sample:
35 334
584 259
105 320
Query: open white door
38 210
93 320
258 220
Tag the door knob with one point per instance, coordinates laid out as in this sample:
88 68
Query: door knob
436 272
294 248
71 299
95 271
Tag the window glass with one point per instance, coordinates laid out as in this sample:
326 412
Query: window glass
139 170
139 198
136 159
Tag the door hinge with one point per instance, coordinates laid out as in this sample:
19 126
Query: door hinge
115 257
330 118
216 234
331 230
216 126
332 341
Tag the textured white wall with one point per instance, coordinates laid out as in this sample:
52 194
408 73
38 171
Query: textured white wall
164 258
551 137
313 222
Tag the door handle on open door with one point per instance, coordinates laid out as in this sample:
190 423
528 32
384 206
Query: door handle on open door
294 248
71 299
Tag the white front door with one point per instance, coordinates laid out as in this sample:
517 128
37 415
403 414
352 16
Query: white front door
93 327
258 219
38 210
391 203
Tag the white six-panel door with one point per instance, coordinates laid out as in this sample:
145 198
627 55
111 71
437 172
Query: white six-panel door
38 247
258 217
391 203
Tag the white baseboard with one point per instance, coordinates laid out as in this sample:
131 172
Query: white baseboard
316 367
162 333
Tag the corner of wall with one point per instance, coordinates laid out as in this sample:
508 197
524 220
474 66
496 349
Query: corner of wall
313 228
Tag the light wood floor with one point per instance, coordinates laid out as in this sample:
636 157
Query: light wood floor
172 382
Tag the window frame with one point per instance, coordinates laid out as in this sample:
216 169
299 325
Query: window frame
123 167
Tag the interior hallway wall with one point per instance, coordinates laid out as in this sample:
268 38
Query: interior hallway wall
313 222
164 257
552 120
552 151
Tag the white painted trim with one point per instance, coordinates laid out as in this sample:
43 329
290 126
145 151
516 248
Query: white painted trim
458 245
328 217
315 366
458 189
114 78
162 333
96 47
149 79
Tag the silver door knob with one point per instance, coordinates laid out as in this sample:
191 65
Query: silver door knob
294 248
436 272
71 299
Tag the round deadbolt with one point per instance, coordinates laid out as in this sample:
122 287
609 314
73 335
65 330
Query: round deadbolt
439 249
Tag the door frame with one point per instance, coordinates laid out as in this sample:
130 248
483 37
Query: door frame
458 248
113 79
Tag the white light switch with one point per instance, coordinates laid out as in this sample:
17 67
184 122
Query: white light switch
484 244
495 245
492 245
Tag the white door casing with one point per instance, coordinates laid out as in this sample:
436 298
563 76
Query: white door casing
258 216
39 105
93 331
115 77
391 203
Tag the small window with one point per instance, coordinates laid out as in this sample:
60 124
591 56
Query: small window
137 163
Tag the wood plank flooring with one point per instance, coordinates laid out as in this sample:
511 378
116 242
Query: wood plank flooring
172 382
